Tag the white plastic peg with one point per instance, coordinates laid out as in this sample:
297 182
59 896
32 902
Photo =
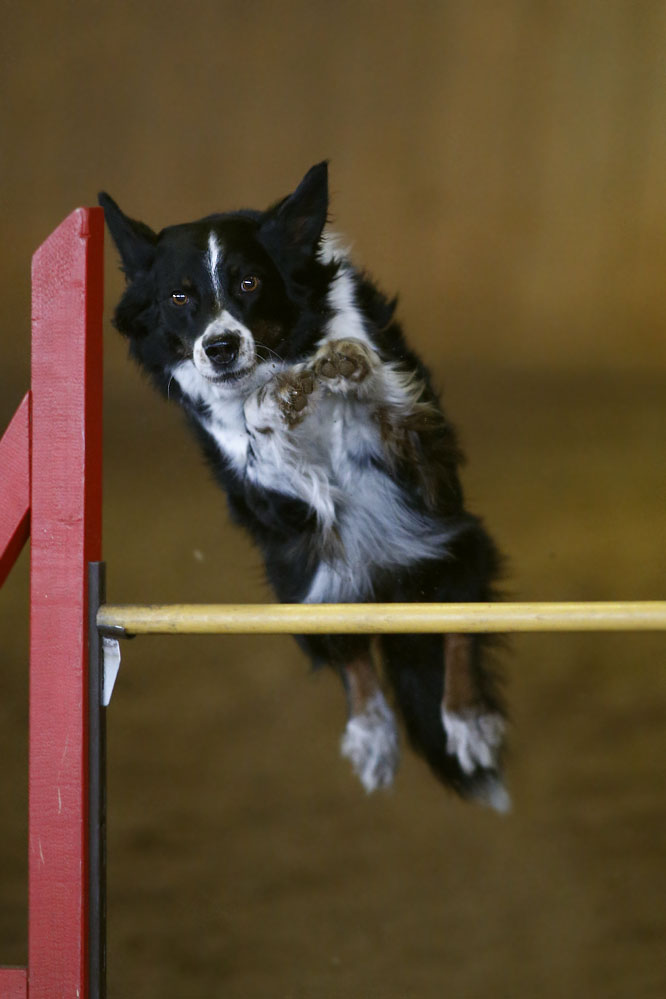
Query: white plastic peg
111 653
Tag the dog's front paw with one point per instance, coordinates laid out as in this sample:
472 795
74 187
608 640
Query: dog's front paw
283 401
292 391
342 364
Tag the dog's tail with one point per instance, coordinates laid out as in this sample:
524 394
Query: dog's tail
463 748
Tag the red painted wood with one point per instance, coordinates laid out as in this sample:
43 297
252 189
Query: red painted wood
13 983
66 535
14 488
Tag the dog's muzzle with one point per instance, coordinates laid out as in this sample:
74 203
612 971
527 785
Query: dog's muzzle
222 349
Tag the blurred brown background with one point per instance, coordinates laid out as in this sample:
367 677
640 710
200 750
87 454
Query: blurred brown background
501 165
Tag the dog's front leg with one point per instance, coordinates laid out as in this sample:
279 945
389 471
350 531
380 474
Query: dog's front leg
281 403
282 455
370 740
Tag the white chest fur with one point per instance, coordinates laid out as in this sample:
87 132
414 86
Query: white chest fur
374 522
223 418
230 435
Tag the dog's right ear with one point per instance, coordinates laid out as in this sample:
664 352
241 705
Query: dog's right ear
295 224
135 240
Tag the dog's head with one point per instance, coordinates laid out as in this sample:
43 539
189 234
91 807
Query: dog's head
223 295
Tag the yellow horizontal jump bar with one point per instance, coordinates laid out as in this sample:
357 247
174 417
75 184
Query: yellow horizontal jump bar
271 619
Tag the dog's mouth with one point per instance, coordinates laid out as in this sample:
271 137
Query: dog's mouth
226 377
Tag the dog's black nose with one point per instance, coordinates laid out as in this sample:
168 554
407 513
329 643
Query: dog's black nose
223 349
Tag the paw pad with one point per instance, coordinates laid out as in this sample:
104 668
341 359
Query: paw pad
346 359
292 394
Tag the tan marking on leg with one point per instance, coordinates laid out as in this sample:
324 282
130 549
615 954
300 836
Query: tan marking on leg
460 689
362 683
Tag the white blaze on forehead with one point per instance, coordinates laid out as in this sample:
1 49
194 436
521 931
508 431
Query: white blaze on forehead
214 257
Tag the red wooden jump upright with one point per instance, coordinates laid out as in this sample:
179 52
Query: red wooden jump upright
51 489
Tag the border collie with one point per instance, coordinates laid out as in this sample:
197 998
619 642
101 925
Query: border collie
324 430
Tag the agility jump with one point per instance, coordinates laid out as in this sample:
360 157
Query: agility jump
51 491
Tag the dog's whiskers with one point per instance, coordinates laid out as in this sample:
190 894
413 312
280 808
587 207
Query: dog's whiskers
262 347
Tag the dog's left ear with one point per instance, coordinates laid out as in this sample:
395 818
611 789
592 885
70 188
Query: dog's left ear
135 240
296 222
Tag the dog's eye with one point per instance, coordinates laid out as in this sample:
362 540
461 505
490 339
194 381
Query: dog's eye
179 298
250 283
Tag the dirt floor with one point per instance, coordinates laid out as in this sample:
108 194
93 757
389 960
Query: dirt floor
244 859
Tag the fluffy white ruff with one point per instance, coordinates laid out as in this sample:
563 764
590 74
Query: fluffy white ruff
474 738
370 743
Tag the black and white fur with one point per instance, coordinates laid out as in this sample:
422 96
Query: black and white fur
324 430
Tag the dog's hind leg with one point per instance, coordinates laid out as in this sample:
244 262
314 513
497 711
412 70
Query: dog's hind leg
452 739
370 740
474 727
